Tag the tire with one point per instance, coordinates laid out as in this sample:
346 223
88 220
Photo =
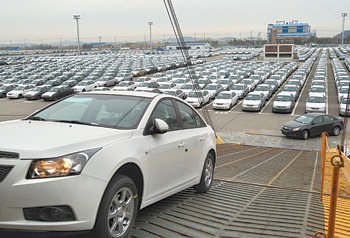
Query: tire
207 175
20 96
336 131
305 134
119 187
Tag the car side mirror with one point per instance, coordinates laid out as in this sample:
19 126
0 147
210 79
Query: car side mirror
159 127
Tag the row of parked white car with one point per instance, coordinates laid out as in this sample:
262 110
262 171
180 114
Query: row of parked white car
342 84
317 97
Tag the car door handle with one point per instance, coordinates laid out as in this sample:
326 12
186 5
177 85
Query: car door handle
202 139
181 145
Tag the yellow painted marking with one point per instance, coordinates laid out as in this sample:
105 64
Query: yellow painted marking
247 157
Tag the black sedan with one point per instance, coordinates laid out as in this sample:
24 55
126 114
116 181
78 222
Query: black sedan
312 124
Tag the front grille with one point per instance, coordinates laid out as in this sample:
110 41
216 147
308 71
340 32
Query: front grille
8 155
4 171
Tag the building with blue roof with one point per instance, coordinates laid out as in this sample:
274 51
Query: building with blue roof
287 32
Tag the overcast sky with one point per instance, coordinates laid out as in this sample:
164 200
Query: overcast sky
49 20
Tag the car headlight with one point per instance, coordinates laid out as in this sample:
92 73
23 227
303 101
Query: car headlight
67 165
296 129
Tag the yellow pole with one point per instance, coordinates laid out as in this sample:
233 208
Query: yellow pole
346 147
334 195
323 157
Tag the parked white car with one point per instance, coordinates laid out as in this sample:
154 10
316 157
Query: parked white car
198 99
92 160
125 85
315 104
85 86
318 91
225 100
19 91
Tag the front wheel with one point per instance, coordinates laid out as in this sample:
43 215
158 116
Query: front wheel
207 175
305 134
336 131
118 209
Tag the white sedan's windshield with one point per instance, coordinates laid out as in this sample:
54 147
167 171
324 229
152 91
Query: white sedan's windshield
114 111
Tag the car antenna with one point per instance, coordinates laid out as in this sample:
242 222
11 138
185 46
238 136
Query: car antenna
182 45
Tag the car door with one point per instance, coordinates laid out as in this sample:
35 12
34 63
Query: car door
195 134
167 152
317 126
328 123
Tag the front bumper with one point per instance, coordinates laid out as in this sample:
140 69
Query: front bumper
194 104
289 132
281 109
31 97
250 108
309 110
221 106
82 193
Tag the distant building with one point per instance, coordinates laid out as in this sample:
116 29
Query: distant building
279 52
189 45
288 32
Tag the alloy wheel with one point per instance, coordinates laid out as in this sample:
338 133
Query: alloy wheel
208 173
120 213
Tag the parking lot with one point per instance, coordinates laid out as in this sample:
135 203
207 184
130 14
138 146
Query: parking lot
264 122
265 184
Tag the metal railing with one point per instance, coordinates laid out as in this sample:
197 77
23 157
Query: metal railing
340 163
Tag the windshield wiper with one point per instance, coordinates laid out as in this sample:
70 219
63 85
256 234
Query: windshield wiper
75 122
36 118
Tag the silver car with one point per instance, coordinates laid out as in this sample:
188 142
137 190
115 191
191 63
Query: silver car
253 102
315 104
283 103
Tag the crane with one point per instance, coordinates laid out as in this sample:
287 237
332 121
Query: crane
186 56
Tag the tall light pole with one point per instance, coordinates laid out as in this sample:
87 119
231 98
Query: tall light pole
77 17
342 36
150 34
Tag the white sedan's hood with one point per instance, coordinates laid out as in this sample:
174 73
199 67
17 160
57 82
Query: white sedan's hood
223 101
315 105
38 139
251 102
282 104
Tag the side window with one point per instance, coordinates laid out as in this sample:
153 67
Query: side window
189 117
318 120
327 118
166 111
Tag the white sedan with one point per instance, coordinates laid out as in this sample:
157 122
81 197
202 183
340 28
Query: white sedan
19 91
198 98
315 104
225 100
92 160
85 86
